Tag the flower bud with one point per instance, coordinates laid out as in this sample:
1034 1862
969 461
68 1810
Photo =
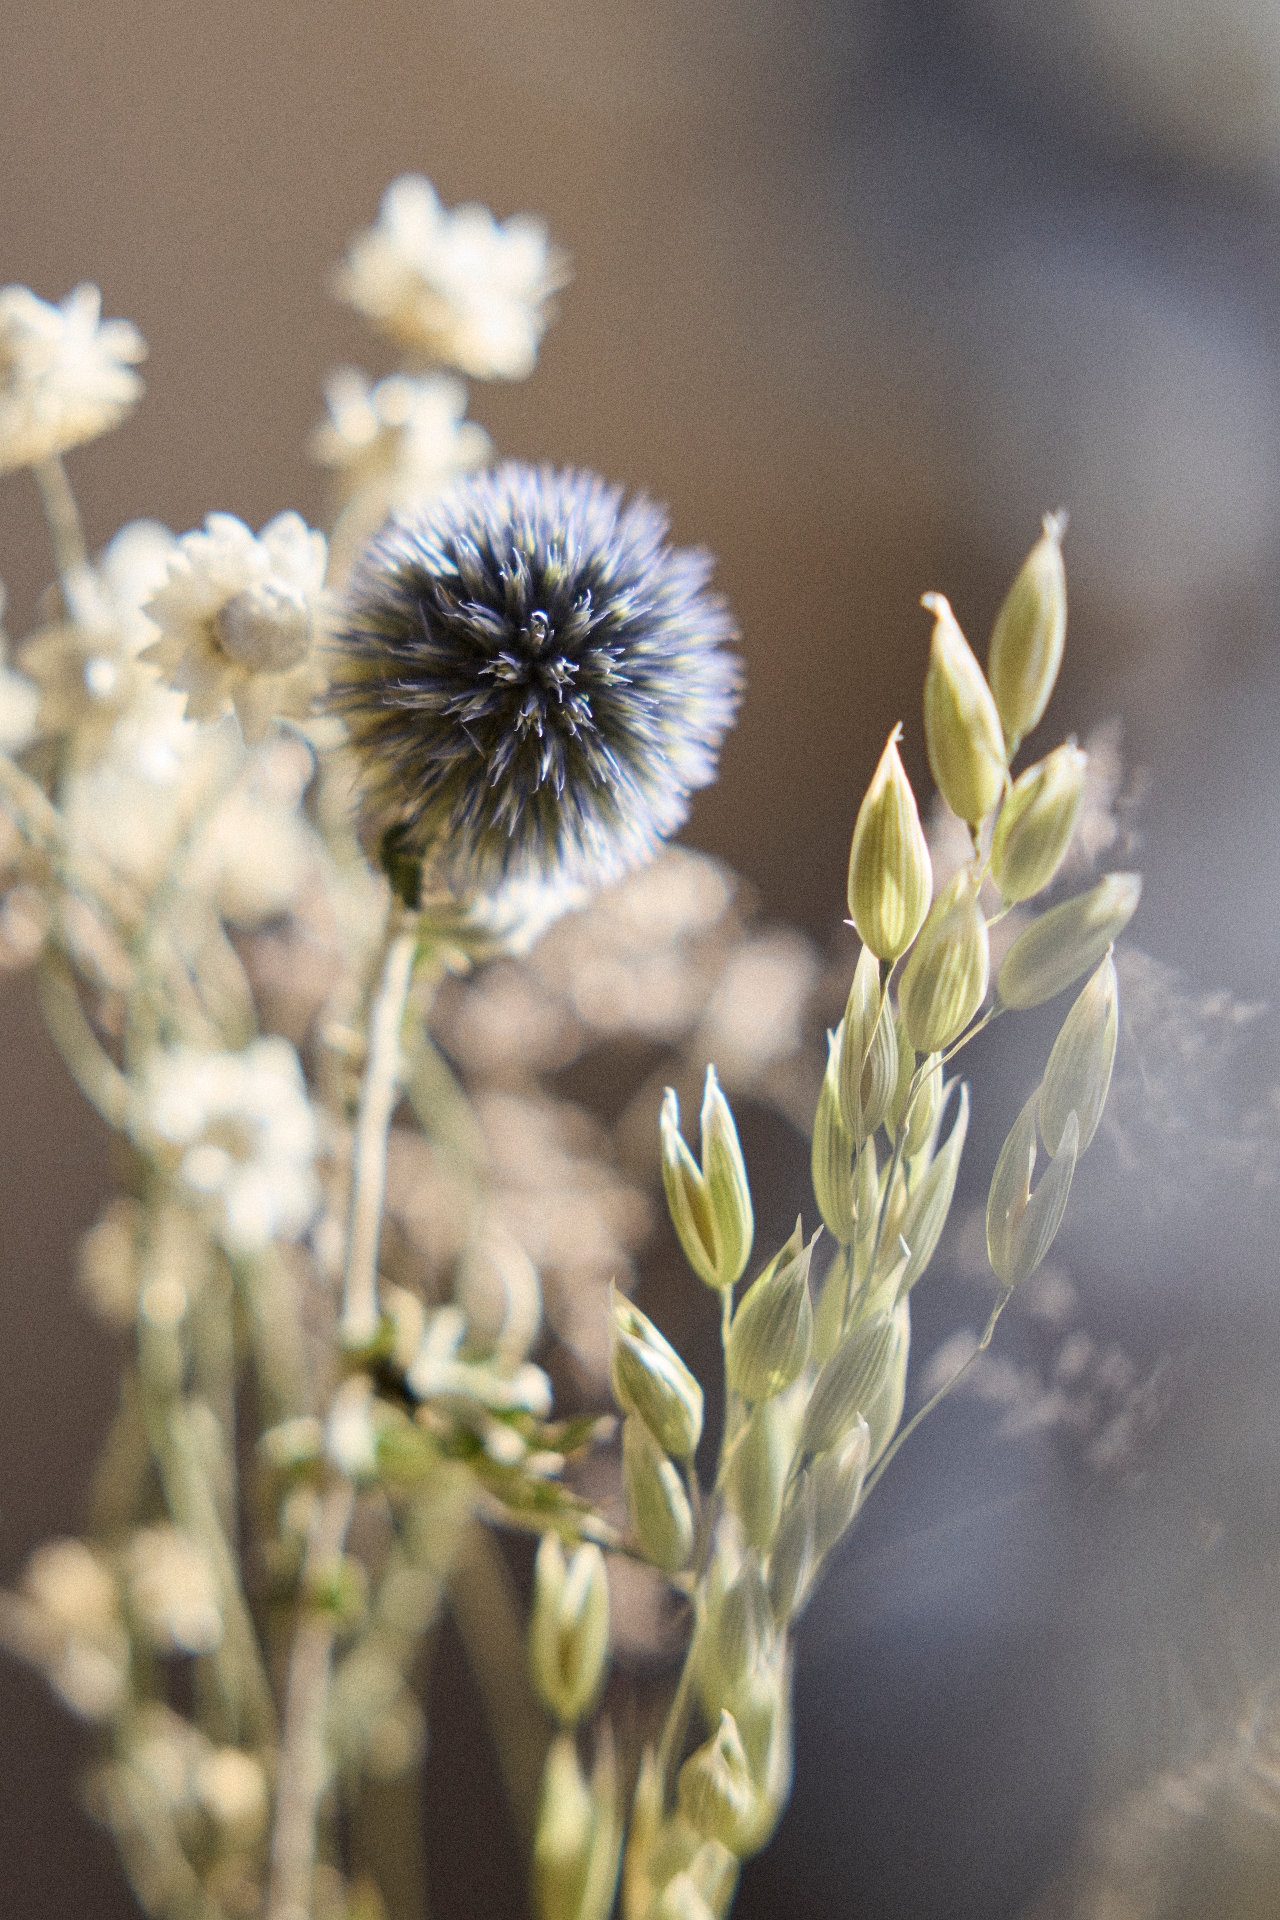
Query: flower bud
710 1206
1058 947
832 1152
795 1557
758 1469
650 1378
657 1505
1036 823
568 1628
890 873
1021 1224
962 728
945 979
1026 641
868 1052
1078 1075
682 1899
715 1791
930 1203
847 1384
703 1890
772 1330
836 1478
563 1834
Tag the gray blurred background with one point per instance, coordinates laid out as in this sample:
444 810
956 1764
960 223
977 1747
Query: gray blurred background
861 290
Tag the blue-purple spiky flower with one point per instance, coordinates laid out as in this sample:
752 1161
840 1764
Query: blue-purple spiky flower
533 680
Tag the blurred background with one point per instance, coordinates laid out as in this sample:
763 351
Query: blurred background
862 287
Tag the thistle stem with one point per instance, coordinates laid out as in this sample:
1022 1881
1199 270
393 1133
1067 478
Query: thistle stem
302 1756
379 1093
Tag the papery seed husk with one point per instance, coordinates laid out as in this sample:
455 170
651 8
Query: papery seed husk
945 979
727 1189
1027 639
1078 1075
831 1156
657 1504
890 872
1067 940
1036 823
847 1384
962 727
772 1330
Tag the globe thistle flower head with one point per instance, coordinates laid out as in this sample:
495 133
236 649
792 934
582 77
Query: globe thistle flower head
533 680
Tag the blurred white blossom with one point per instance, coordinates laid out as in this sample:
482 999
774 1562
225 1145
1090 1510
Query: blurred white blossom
399 439
456 285
240 617
256 852
86 667
172 1591
67 1621
66 375
243 1134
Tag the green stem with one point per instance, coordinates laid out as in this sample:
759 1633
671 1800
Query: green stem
94 1072
42 826
379 1093
70 551
1006 1294
486 1608
303 1770
677 1720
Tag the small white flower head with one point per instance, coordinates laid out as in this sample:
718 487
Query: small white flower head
173 1595
255 851
66 375
460 287
242 1135
86 667
73 1627
241 616
400 440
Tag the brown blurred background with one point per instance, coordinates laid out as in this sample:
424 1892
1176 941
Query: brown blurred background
862 287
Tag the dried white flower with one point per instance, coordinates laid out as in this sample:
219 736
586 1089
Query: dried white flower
243 1134
459 286
400 440
71 1627
152 773
172 1591
256 852
240 616
65 373
86 666
232 1789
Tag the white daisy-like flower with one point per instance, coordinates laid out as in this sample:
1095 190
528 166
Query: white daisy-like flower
66 375
400 439
241 618
456 285
242 1133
